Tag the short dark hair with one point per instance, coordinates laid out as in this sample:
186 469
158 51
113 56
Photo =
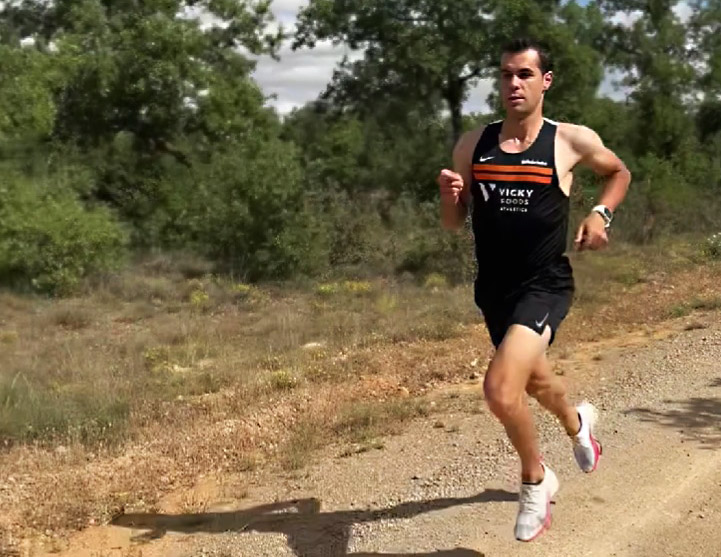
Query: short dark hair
522 44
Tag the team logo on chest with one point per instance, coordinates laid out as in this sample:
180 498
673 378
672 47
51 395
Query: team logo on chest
515 185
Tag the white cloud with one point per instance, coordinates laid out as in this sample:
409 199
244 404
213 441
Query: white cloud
612 87
626 19
300 75
683 11
478 95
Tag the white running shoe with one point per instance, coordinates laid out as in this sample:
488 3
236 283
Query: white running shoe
534 512
586 447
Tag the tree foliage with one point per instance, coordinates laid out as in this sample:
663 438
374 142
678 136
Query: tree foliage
127 124
414 50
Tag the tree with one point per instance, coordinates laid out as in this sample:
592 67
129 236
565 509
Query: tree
649 44
146 85
153 69
415 51
343 152
706 27
27 106
159 75
654 54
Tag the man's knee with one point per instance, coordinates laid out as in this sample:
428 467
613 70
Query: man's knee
508 375
502 397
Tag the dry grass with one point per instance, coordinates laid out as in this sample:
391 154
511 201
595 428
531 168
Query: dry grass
73 315
357 423
306 437
164 374
695 304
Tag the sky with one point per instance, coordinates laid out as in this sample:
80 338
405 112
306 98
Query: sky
301 75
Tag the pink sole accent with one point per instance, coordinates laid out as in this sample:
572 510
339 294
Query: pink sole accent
597 452
545 527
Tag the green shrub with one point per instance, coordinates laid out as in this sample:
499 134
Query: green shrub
712 246
248 212
49 241
424 247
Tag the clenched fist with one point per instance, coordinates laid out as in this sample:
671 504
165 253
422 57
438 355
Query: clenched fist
451 184
591 233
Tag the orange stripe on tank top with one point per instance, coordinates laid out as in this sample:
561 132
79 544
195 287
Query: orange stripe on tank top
517 169
512 178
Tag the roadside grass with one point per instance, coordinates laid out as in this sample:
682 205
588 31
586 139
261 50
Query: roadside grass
358 424
78 370
83 369
683 309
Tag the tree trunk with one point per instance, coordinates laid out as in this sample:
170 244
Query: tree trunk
456 122
454 98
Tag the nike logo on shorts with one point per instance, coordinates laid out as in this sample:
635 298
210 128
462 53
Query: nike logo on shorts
542 322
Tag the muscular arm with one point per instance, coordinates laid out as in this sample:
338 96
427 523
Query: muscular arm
454 212
588 150
592 153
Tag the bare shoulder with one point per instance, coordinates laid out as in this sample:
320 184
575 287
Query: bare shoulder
468 140
583 145
463 150
582 140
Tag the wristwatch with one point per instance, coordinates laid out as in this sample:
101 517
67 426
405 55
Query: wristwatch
605 212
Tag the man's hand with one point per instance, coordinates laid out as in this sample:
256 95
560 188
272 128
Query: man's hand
451 184
592 233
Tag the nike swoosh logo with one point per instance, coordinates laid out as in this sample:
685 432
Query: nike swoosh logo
542 322
484 159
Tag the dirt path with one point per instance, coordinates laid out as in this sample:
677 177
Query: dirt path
447 486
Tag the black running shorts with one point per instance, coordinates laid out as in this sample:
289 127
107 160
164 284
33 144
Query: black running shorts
533 308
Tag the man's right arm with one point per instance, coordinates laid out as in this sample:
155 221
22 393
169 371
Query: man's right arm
455 185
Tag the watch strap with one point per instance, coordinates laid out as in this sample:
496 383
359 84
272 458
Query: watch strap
605 212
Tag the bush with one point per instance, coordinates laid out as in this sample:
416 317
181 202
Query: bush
246 210
49 241
374 234
712 246
424 247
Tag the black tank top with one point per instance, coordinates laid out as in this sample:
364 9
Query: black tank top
520 214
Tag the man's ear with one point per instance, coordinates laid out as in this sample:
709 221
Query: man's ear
547 81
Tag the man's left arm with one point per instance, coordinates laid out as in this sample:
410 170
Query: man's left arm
592 153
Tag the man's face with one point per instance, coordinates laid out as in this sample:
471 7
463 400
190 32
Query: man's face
522 83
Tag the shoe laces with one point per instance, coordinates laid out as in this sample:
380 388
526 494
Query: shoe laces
531 499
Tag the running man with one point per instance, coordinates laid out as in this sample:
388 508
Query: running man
518 173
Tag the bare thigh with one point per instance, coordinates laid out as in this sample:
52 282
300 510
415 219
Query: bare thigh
513 367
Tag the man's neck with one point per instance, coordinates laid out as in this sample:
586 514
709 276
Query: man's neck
523 128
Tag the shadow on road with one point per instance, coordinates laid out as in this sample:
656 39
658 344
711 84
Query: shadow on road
310 533
698 418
